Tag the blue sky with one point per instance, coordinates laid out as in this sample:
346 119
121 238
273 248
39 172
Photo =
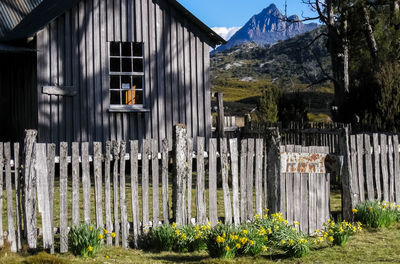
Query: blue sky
235 13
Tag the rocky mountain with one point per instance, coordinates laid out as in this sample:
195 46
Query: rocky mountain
268 27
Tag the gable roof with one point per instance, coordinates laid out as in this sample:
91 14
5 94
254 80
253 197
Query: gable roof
21 19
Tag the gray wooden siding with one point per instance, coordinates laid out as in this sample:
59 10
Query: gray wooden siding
72 51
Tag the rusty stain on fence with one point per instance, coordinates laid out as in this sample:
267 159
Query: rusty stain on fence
292 162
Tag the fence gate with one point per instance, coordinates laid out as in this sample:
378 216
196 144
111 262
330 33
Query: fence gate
305 186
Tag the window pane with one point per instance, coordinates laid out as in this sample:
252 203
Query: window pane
138 82
126 49
114 49
139 97
115 65
127 65
137 49
114 82
138 65
115 98
126 82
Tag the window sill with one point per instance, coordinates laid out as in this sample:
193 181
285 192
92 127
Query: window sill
127 109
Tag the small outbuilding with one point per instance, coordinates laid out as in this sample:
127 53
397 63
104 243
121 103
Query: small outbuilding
97 70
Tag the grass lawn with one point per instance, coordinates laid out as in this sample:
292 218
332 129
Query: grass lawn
372 246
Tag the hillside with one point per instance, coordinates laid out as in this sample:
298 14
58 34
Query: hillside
295 65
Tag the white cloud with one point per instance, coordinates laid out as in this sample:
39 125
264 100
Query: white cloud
225 32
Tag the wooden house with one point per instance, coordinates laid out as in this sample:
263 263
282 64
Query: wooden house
97 70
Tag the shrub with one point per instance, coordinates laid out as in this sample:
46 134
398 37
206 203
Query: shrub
85 240
221 241
340 232
190 238
160 238
376 214
284 236
251 240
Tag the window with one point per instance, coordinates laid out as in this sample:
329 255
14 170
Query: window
126 75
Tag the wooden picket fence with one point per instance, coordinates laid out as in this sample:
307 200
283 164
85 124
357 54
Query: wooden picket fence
375 167
95 176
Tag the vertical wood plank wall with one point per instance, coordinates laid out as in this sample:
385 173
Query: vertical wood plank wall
73 51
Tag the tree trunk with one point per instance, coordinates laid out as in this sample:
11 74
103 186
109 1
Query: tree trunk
369 34
346 78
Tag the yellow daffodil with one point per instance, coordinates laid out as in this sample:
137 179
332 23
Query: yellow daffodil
370 209
219 240
354 211
100 236
183 236
173 225
90 228
290 242
264 248
238 246
113 235
105 231
283 242
177 232
251 242
330 239
107 257
90 248
245 232
227 248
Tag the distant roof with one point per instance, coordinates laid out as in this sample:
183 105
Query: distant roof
21 19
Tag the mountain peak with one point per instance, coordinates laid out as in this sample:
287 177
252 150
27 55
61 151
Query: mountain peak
268 27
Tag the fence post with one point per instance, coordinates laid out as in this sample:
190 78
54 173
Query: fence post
274 172
180 152
29 188
347 183
221 116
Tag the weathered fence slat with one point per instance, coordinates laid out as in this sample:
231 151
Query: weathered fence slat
304 192
86 182
258 175
189 160
391 169
354 168
75 184
155 181
107 192
29 188
377 171
115 152
44 201
180 152
368 167
122 203
98 183
396 168
297 191
164 176
212 181
313 202
17 180
243 180
265 177
360 166
51 153
200 190
233 147
10 205
134 153
64 197
250 178
145 183
384 166
225 181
